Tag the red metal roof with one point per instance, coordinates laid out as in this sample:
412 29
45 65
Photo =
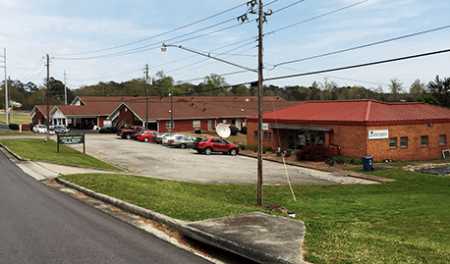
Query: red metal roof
359 111
221 107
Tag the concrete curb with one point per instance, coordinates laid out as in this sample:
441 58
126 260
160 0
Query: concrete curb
12 153
157 217
181 226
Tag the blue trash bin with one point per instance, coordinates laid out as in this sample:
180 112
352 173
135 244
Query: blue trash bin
367 163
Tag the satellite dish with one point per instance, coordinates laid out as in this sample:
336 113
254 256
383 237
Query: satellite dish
223 130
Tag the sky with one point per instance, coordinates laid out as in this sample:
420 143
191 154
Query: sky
76 33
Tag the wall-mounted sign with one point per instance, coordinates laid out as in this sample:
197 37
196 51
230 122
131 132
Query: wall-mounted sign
265 126
378 134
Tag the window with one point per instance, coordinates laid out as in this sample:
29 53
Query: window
443 140
393 143
404 142
424 141
196 124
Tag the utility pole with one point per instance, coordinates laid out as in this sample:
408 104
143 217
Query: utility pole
65 88
47 97
6 88
171 111
261 20
146 95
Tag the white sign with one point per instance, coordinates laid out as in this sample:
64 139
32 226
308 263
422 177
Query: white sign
107 123
378 134
265 126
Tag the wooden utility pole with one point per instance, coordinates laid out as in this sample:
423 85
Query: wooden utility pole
261 19
47 97
6 88
65 88
146 95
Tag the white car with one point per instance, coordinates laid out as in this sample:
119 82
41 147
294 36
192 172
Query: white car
40 129
166 138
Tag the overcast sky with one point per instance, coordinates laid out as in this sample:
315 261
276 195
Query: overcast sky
31 28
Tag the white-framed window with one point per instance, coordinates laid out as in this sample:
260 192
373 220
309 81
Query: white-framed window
196 124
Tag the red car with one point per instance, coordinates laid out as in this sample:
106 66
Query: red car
210 145
147 136
129 133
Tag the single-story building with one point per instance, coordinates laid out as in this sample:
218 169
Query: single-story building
39 114
191 113
387 131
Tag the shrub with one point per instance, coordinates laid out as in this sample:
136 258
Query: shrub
244 130
198 131
14 126
314 153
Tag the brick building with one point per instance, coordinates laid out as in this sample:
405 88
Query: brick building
191 113
395 131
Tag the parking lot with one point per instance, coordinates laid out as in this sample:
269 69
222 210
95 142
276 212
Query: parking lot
157 161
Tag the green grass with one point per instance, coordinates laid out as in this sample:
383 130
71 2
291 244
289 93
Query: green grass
407 221
39 150
17 118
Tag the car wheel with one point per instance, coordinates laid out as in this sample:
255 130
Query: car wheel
208 151
128 136
233 152
183 146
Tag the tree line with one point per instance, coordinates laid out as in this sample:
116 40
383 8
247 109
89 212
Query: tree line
29 94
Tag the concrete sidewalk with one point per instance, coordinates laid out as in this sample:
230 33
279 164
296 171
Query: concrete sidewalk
44 171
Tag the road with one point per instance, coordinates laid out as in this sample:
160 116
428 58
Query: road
39 225
157 161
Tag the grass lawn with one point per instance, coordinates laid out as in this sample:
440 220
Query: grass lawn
39 150
17 118
407 221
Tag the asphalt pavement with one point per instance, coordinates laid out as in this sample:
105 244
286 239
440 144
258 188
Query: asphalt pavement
41 225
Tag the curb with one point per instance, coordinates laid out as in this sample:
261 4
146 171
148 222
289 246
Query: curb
157 217
180 226
12 153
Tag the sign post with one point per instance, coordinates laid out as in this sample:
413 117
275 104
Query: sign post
71 140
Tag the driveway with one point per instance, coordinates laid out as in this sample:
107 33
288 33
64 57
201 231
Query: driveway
157 161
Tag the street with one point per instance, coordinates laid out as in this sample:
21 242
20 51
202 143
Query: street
40 225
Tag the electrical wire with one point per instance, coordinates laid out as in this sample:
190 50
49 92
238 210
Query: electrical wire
315 17
160 34
364 46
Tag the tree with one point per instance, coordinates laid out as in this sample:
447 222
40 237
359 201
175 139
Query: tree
417 88
440 91
396 87
163 83
215 84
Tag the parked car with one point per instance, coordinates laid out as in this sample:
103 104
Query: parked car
166 138
40 129
129 133
108 130
210 145
59 130
160 137
181 141
147 136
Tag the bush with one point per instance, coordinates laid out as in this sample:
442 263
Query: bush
314 153
249 147
14 126
198 131
244 131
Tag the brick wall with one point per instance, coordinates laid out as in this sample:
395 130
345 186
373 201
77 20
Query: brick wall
126 118
354 140
381 150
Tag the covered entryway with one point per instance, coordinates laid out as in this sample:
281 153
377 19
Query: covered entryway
295 137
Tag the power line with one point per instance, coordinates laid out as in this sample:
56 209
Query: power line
288 6
356 66
363 46
163 33
316 17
